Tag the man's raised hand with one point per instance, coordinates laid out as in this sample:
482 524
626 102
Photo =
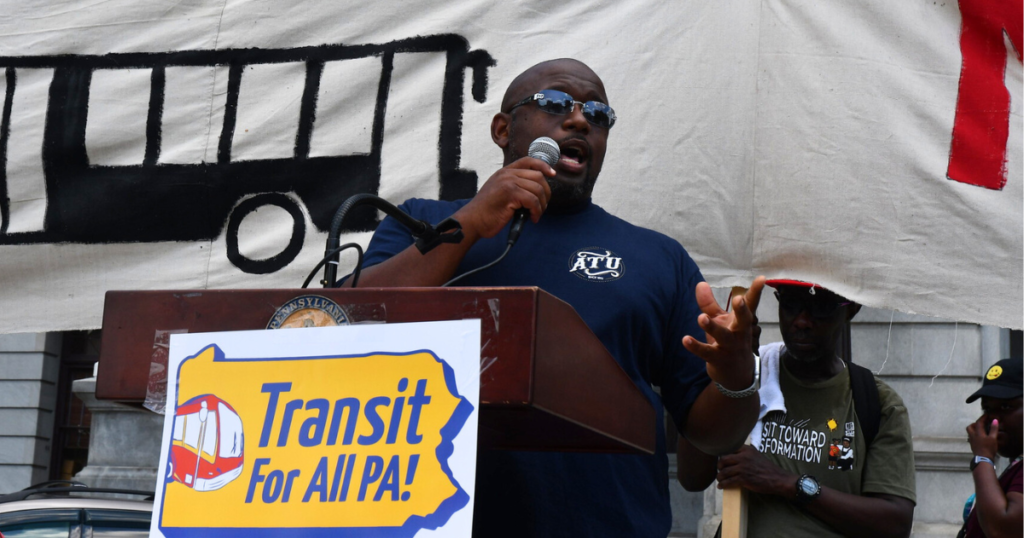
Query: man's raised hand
984 442
729 335
522 184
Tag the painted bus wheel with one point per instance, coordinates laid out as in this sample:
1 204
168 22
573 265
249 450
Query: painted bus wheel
281 259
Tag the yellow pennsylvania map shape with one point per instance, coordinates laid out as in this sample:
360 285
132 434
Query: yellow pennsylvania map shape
329 442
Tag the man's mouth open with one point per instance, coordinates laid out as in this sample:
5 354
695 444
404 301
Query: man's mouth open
573 158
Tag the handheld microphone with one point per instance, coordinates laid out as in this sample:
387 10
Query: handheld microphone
545 149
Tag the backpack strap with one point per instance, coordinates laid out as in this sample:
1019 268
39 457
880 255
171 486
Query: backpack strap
866 402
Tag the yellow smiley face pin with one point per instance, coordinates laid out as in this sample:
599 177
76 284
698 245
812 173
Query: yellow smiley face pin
994 372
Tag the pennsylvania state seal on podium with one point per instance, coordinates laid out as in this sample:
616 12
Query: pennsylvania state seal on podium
308 311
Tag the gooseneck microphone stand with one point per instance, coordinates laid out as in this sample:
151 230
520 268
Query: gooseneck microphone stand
427 236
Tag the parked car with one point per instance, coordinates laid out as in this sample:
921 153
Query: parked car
65 509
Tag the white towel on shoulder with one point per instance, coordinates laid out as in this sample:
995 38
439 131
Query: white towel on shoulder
769 392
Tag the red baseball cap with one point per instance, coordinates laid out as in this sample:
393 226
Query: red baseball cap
776 282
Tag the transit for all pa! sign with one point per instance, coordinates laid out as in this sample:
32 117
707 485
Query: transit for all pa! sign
339 431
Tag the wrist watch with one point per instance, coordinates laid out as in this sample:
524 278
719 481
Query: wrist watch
807 489
749 391
979 459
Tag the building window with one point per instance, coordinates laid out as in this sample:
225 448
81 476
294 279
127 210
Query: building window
70 444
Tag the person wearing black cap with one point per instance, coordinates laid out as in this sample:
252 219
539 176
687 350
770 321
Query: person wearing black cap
828 456
997 509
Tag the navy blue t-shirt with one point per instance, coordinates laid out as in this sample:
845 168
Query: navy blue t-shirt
635 290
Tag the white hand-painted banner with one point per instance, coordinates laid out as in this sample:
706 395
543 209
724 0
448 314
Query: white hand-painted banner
874 147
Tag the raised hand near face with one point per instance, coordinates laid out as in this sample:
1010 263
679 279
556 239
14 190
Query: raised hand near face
984 442
520 185
729 335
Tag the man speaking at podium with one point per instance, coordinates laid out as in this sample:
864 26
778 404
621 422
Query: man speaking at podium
636 289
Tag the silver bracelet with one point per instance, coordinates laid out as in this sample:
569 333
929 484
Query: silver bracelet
749 391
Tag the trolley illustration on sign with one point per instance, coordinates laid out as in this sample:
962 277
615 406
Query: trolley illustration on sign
207 444
50 192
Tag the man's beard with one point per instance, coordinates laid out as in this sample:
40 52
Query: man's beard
563 195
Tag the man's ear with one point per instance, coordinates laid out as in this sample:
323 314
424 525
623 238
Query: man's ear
499 129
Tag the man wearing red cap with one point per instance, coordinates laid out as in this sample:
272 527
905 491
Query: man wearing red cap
997 509
822 464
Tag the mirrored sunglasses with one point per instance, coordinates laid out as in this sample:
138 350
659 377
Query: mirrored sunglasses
561 103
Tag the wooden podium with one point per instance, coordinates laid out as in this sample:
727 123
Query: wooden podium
546 382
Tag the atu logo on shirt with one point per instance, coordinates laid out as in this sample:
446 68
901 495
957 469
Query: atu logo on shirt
596 264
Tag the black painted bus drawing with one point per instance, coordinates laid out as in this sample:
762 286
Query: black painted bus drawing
155 201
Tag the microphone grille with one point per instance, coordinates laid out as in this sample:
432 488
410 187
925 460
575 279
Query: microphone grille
546 150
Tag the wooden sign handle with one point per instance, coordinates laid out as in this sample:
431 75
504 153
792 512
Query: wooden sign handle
734 513
734 500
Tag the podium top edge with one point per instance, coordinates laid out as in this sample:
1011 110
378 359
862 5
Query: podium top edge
314 291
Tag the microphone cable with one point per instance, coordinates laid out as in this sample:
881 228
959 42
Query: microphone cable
327 259
481 268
